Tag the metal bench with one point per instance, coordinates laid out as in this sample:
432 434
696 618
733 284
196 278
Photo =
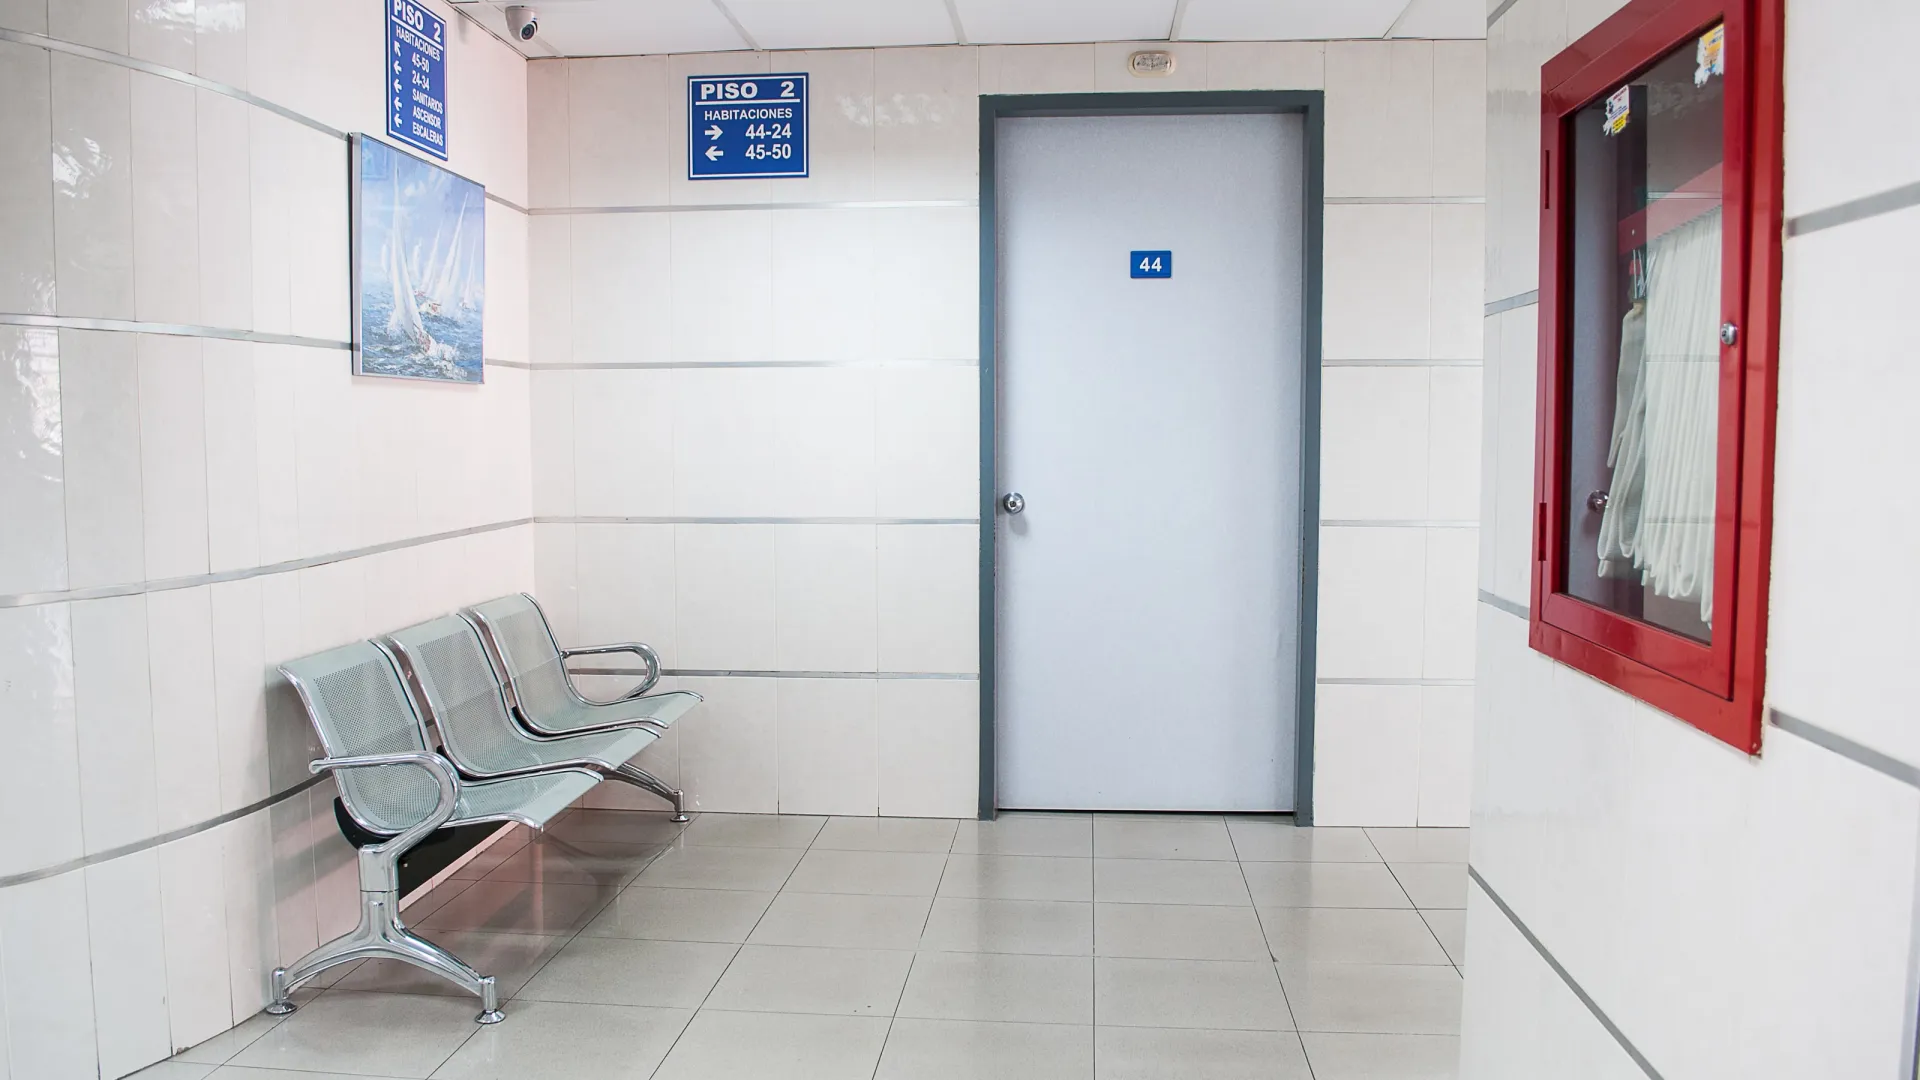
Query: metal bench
541 693
458 690
396 788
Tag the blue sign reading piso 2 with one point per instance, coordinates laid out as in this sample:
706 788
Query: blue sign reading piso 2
742 126
417 77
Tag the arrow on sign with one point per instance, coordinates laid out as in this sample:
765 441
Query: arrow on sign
714 132
714 153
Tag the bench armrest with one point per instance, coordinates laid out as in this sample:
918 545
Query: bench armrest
443 774
646 654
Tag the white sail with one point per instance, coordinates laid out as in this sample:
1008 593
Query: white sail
405 319
441 287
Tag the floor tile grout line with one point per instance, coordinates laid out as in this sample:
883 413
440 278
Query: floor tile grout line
694 1013
597 912
895 1015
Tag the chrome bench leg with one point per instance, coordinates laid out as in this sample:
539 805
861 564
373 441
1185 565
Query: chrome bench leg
380 936
646 781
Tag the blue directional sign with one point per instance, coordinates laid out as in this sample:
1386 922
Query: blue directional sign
1150 264
417 77
742 126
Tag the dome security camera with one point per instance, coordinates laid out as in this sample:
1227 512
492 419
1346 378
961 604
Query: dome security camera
523 21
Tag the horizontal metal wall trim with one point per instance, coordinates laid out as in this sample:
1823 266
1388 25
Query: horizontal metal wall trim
1566 977
701 673
1404 200
1330 523
508 203
894 204
137 846
107 57
545 519
698 365
100 592
1393 682
1501 603
1518 300
1401 363
519 365
1496 13
1868 206
1885 764
134 326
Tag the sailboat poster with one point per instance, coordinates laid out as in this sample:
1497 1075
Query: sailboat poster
419 267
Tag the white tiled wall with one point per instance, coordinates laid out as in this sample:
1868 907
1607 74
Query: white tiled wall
891 298
134 458
1400 424
1733 916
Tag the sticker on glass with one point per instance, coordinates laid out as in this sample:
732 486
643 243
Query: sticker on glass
1616 121
1711 56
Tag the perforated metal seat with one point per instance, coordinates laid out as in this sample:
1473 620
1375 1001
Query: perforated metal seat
466 702
394 785
541 692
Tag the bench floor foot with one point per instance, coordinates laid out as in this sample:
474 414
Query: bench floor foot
646 781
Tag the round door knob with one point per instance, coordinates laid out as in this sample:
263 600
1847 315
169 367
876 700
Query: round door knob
1597 501
1013 502
1729 333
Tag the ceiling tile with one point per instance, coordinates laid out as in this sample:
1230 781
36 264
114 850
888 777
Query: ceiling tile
1288 20
843 24
1033 22
1443 19
623 27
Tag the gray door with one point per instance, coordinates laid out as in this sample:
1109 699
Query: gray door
1148 591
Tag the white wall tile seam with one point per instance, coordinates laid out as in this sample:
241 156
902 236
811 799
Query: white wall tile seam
1861 209
191 330
1566 977
141 588
106 56
1500 603
687 208
27 877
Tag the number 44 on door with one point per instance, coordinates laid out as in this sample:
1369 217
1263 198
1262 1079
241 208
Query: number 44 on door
1150 264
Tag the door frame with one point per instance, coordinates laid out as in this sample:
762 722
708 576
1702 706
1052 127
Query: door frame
1311 106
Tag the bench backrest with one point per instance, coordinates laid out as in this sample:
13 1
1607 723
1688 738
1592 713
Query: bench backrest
359 706
463 695
529 651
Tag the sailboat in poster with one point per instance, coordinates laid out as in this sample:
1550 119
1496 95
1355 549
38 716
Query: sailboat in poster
422 269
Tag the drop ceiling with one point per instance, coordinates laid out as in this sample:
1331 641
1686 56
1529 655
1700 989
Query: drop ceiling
627 27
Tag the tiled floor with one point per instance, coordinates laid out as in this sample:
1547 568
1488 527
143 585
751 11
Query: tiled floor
1046 946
